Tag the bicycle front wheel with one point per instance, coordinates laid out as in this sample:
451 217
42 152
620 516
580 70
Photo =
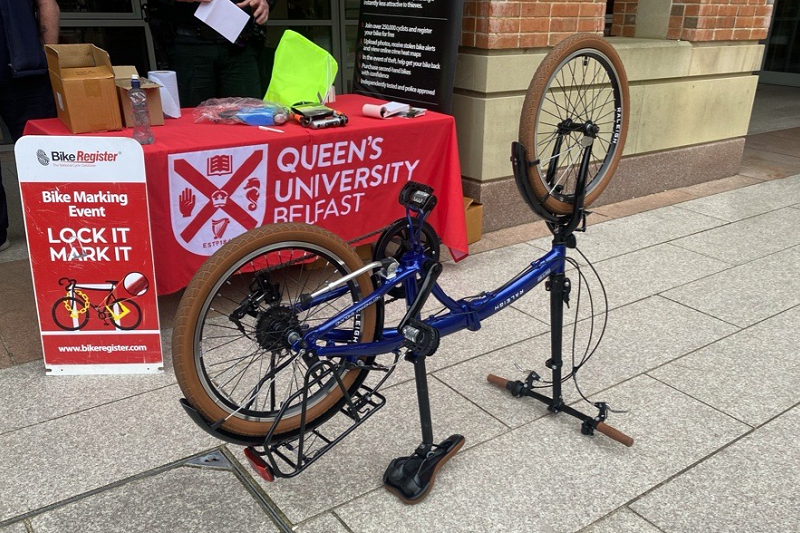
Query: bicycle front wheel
70 313
581 80
234 328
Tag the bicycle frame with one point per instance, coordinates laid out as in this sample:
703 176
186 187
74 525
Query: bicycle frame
463 313
73 286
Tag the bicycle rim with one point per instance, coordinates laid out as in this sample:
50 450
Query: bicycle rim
244 370
582 81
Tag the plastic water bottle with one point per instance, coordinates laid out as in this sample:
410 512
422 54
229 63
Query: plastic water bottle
141 114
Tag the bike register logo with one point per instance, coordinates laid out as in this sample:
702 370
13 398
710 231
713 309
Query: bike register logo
85 206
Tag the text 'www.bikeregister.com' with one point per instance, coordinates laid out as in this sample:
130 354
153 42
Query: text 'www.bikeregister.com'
103 348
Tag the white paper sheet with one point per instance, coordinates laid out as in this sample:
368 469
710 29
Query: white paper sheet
223 16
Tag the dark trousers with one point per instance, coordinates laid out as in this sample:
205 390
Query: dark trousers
214 69
22 100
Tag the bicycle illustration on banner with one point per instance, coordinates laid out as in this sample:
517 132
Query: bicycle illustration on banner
71 312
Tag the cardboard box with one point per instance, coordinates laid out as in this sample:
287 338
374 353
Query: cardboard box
83 87
473 212
122 79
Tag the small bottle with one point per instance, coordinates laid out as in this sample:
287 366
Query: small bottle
141 114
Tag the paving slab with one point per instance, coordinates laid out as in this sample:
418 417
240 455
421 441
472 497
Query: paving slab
767 165
546 476
775 107
622 521
624 235
326 523
751 486
210 501
793 133
29 396
503 329
16 225
509 236
16 527
357 464
639 204
748 201
751 375
633 277
743 241
486 271
744 295
708 188
5 357
639 337
769 142
17 251
19 325
62 458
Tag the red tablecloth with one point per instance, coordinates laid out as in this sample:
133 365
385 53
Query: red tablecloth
208 183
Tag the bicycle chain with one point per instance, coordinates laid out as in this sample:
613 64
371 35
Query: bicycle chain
370 234
85 299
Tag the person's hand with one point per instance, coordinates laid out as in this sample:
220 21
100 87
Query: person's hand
260 10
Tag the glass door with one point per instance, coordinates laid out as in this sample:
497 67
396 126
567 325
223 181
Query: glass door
99 8
782 57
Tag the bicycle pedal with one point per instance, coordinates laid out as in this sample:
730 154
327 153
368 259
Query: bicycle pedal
421 338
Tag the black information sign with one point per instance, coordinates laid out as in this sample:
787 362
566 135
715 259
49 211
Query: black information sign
406 51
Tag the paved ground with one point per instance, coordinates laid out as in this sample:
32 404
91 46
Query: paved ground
701 349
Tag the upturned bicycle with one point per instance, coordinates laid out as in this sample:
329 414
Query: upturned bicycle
277 332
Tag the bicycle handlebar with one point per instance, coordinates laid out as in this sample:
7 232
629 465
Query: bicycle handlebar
602 427
66 281
498 381
614 434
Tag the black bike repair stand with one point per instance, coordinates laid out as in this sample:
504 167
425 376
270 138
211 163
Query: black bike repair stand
410 478
559 286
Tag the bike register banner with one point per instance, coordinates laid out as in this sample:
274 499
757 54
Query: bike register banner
86 218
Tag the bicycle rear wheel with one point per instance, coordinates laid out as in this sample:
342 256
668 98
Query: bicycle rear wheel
232 354
125 314
582 79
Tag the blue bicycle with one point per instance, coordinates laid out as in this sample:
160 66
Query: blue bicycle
278 331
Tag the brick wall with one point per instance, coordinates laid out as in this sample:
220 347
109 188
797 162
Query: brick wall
720 20
703 20
623 21
508 24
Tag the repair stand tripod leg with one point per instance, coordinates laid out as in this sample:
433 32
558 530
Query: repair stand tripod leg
411 478
559 292
559 287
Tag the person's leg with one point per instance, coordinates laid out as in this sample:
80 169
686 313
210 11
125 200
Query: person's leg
240 70
194 63
24 99
3 203
27 99
3 215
